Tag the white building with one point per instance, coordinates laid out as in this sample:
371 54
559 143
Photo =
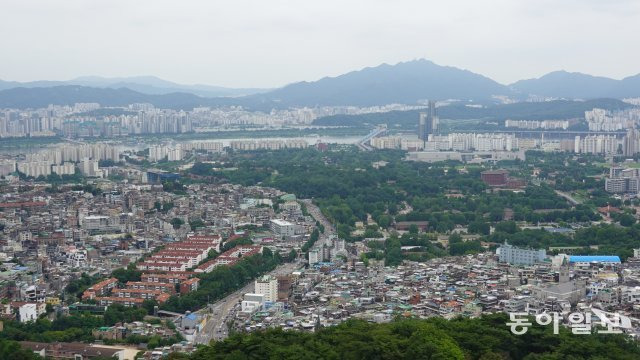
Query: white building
269 144
535 124
314 256
77 258
386 142
252 303
208 146
267 286
175 154
282 228
157 152
89 167
35 168
472 141
7 167
28 312
67 168
161 152
597 144
517 256
100 223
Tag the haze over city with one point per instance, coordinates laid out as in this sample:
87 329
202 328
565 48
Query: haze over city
204 180
267 44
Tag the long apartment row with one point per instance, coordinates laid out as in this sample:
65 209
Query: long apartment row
156 284
182 255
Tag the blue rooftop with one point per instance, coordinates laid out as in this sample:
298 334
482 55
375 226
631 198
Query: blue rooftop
592 258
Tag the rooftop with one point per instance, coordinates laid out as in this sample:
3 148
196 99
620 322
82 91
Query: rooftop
594 258
280 222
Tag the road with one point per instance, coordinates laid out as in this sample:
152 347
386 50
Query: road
329 230
221 311
569 198
363 144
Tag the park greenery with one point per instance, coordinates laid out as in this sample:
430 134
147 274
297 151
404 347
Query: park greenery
77 286
351 186
482 338
74 327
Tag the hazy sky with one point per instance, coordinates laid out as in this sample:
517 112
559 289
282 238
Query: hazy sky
267 43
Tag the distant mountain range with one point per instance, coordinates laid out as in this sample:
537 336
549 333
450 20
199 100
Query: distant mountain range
562 84
37 97
144 84
406 82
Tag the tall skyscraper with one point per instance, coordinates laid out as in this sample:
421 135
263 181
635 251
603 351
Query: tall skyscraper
631 142
428 123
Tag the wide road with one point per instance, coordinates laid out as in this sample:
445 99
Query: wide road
220 312
329 230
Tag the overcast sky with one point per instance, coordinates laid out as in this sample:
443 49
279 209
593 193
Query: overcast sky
268 43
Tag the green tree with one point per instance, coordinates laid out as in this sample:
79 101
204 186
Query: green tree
11 350
293 254
177 223
626 220
393 252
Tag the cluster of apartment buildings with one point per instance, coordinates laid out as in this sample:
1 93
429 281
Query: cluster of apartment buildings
22 123
63 160
539 124
269 144
604 120
93 120
165 273
207 146
205 117
178 151
169 153
463 142
83 120
613 144
136 119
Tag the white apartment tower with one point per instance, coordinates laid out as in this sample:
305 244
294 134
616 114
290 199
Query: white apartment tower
267 286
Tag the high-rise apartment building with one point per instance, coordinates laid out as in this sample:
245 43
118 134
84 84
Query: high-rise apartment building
267 286
428 123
